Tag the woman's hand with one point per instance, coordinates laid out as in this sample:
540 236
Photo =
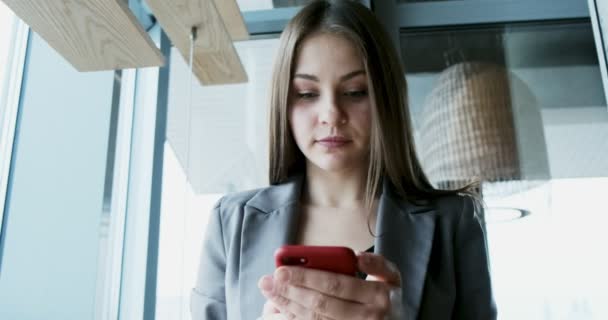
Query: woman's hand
302 293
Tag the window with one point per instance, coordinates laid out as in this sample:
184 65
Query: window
60 161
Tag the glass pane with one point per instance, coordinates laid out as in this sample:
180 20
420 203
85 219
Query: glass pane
522 107
53 214
224 150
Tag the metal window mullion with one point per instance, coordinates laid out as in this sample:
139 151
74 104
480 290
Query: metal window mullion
160 134
471 12
110 265
133 268
600 43
140 248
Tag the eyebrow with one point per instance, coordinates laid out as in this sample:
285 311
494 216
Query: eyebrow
342 78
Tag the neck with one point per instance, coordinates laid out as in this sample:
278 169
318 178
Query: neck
336 189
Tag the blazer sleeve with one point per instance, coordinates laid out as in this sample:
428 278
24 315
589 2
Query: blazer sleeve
474 290
208 297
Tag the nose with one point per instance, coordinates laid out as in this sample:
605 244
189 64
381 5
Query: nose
330 113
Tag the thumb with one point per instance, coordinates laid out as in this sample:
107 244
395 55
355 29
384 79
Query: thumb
378 268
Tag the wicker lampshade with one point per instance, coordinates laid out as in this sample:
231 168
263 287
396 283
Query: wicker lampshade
468 127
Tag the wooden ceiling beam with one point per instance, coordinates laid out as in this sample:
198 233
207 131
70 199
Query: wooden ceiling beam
91 35
233 19
215 58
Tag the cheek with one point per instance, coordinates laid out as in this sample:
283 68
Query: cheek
362 118
301 121
299 124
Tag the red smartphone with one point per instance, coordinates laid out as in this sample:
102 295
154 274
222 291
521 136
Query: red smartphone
333 259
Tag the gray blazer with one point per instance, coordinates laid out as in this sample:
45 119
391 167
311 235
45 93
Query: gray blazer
439 249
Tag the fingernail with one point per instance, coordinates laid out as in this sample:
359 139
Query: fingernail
266 284
282 275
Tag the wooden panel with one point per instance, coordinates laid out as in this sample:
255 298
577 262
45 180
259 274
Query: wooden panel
215 58
233 19
91 35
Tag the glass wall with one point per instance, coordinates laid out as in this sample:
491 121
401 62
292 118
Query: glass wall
53 212
535 89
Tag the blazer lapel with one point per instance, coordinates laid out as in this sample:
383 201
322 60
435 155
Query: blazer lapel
270 221
405 237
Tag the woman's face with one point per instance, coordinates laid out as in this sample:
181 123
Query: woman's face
329 108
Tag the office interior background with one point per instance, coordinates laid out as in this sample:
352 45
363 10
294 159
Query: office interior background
107 178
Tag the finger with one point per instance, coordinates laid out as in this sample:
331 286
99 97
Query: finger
289 308
266 285
333 284
269 308
278 309
268 288
295 309
379 267
312 304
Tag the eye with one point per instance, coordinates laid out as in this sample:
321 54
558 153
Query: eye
306 95
356 93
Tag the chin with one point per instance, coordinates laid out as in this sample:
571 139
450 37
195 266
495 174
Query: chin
330 167
334 164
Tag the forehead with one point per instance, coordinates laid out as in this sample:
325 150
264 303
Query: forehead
325 52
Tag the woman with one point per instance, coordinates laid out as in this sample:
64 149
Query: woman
342 164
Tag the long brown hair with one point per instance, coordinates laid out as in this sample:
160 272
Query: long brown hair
392 151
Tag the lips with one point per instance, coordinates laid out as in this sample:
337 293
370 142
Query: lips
333 142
